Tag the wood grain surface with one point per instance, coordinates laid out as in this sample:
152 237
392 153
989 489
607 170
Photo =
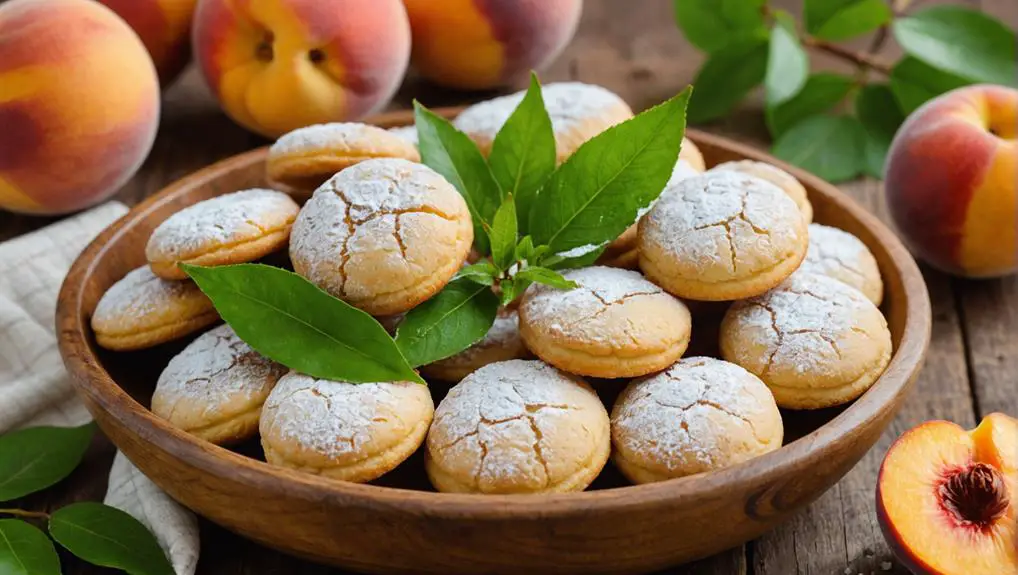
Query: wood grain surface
635 50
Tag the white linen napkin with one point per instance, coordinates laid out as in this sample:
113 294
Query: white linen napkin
36 390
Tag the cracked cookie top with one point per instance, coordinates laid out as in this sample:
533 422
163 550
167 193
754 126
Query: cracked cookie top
220 224
774 175
813 340
216 378
701 414
518 427
501 343
350 431
719 232
383 235
842 256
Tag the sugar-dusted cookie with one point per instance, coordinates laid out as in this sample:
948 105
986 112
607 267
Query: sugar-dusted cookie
721 236
384 235
813 340
501 343
615 324
578 112
305 158
776 176
842 256
518 427
691 155
142 310
701 414
214 388
347 431
229 229
407 133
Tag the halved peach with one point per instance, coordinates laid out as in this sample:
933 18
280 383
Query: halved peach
947 499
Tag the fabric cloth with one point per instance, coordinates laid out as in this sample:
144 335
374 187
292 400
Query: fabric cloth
35 389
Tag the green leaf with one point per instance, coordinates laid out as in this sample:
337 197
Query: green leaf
454 155
961 41
914 82
711 24
822 92
523 154
838 20
483 273
25 550
545 276
456 318
35 458
512 289
578 257
831 147
787 62
504 234
727 76
291 321
108 537
599 191
525 251
880 116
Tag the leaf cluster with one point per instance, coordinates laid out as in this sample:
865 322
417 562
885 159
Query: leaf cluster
835 125
36 458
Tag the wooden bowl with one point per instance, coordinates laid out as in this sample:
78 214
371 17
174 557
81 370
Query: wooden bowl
399 525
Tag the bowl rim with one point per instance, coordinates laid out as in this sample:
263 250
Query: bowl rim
91 379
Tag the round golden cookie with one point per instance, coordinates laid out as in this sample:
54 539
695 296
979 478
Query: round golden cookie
383 235
214 389
518 427
305 158
721 236
229 229
501 343
614 324
776 176
407 133
701 414
842 256
813 340
353 432
578 112
142 310
691 155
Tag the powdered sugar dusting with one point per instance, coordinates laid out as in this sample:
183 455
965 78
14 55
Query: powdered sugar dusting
342 421
219 372
517 424
406 133
138 295
682 170
220 221
503 335
842 256
671 419
352 135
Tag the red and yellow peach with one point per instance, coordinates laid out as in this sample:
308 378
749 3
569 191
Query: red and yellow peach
164 26
79 104
278 65
480 44
951 181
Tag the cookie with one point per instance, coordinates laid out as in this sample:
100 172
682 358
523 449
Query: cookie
721 236
776 176
699 415
307 157
842 256
501 343
813 340
407 133
214 389
229 229
142 310
383 235
518 427
691 155
578 112
347 431
614 324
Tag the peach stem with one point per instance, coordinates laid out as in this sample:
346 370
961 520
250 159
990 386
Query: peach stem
25 513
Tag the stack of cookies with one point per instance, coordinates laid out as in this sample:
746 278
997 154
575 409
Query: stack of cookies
798 328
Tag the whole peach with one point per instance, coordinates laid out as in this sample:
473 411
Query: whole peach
278 65
951 180
480 44
79 104
164 27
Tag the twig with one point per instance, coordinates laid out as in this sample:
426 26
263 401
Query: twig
859 58
25 513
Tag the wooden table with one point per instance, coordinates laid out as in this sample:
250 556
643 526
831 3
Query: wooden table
635 49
